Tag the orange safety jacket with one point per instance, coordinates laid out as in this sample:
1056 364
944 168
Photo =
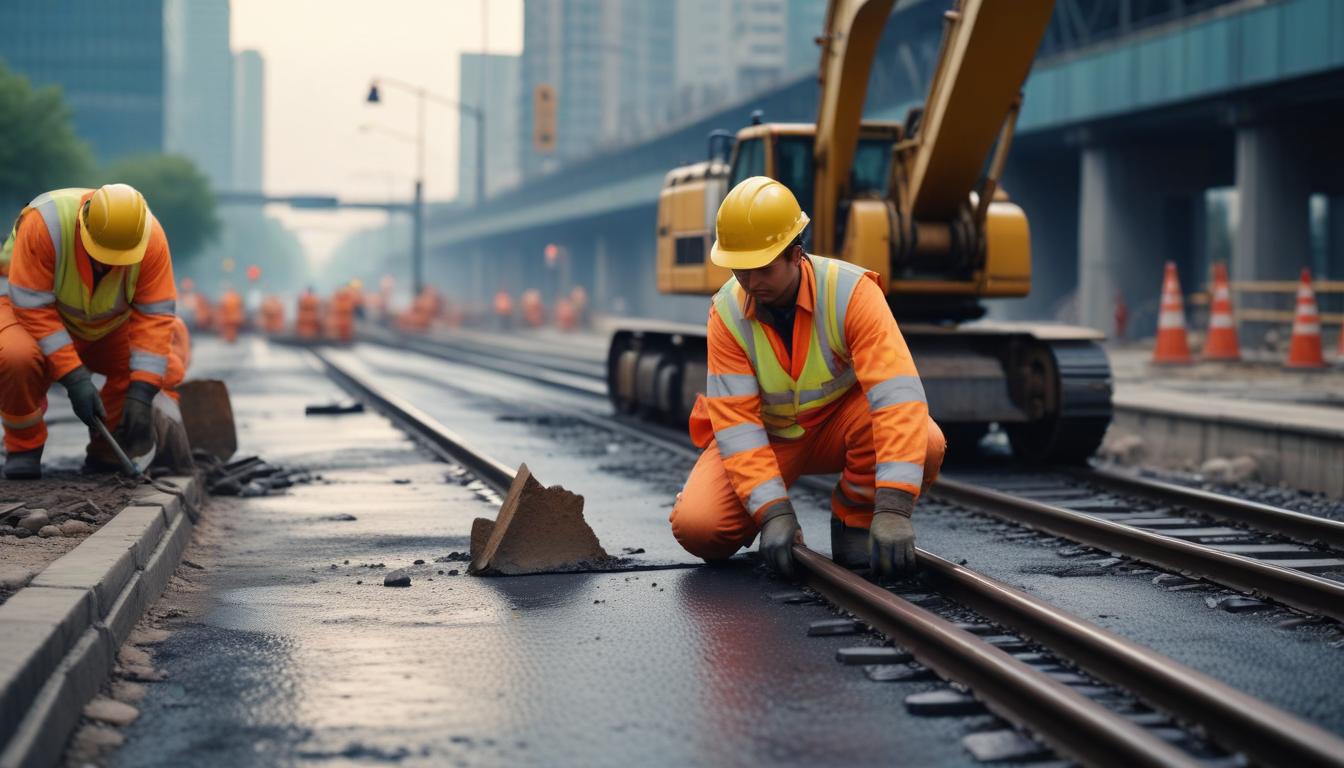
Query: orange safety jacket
41 276
872 354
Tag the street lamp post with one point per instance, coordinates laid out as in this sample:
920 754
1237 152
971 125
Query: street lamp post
418 211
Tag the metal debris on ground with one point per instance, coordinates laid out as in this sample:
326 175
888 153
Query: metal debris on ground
333 409
249 476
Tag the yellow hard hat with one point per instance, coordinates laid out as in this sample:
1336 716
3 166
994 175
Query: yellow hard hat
757 219
115 225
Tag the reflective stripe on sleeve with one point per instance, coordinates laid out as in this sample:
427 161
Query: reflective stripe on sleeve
149 362
895 391
27 298
766 492
900 472
731 385
52 342
741 437
166 307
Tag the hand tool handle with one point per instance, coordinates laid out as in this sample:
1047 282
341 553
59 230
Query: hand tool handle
127 465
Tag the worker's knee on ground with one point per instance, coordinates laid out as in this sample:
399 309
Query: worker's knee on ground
703 535
933 455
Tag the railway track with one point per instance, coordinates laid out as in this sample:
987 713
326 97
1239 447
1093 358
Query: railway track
1273 554
1024 669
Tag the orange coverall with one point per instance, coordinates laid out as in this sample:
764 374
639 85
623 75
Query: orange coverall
26 373
711 519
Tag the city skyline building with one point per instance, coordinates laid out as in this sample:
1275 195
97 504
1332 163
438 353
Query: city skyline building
199 86
110 66
249 120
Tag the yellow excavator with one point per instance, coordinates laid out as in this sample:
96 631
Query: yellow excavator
920 204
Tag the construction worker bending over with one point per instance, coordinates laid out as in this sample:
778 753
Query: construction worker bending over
91 288
808 374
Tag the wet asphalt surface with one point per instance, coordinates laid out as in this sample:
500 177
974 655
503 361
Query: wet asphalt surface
283 656
1298 668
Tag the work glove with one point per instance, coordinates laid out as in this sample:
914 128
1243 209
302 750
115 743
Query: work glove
891 537
83 395
135 433
779 532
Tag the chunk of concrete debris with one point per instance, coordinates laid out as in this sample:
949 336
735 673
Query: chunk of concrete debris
35 521
398 578
538 529
111 711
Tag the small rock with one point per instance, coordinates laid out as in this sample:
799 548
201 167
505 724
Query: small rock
1243 468
341 518
48 531
128 692
76 528
1123 448
452 572
253 489
7 530
130 656
35 521
90 741
22 533
190 564
419 562
1216 469
111 711
397 578
147 636
142 674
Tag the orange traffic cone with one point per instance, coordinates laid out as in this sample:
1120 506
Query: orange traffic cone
1221 343
1172 346
1304 350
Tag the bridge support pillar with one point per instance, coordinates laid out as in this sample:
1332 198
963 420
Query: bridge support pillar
1273 239
1121 239
1334 238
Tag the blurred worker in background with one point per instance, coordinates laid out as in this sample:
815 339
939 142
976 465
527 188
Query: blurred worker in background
231 315
308 320
808 374
503 310
272 316
341 318
91 291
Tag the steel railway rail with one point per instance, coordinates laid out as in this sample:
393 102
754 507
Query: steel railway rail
1275 570
1058 715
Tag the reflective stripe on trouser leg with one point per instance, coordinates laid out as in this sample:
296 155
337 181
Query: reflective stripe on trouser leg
31 436
900 472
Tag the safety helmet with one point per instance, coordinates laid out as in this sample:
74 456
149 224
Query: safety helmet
115 224
757 219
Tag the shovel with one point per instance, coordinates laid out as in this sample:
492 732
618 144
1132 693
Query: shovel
131 468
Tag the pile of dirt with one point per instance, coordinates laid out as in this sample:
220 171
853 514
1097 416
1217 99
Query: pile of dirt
63 496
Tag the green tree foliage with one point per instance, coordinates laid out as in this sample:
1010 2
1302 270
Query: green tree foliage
39 150
177 192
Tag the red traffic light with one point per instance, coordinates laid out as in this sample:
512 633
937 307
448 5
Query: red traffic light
552 253
253 273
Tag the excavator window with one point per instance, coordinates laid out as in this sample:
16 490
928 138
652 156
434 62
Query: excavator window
793 167
750 160
868 175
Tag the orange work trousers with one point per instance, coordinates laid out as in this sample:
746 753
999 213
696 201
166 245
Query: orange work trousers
709 520
24 378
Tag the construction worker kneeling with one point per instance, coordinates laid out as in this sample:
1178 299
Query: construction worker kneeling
90 291
808 374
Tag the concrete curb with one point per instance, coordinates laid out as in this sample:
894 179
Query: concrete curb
59 635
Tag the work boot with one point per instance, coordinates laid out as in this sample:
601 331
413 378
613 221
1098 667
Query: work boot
849 546
24 465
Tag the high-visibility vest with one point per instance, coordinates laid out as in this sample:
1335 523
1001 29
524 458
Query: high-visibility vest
826 374
89 316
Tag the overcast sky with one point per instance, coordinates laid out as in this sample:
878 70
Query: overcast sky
320 57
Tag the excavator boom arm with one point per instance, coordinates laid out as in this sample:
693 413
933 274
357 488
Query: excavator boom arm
988 47
848 45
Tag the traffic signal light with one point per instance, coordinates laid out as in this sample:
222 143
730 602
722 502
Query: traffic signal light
543 119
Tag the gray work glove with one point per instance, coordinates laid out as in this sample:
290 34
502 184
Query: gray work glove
891 537
136 431
779 532
83 395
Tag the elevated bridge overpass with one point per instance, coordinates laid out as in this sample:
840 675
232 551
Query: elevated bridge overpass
1132 112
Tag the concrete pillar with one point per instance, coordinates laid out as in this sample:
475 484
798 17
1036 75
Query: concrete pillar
1273 239
1121 240
1334 238
600 291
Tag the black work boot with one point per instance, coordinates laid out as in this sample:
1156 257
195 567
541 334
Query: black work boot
24 465
849 546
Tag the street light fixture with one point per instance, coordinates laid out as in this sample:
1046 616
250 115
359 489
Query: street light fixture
422 95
